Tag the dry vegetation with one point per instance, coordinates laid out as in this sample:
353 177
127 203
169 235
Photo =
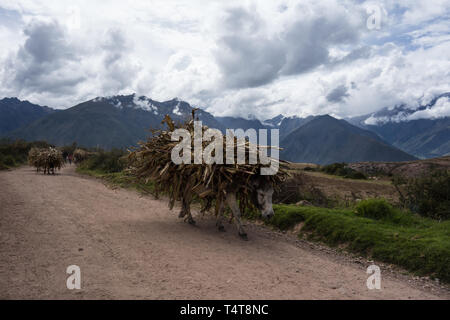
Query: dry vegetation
329 190
406 169
79 155
152 161
48 159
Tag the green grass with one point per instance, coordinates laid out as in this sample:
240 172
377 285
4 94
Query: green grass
418 244
106 161
15 153
119 179
109 166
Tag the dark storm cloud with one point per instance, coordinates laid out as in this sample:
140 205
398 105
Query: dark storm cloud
45 43
249 62
249 57
48 62
338 94
308 42
39 63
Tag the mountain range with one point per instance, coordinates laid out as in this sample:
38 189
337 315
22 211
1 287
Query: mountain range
114 122
121 121
404 128
325 140
15 114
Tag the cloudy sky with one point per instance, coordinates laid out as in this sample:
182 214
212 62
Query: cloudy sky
344 58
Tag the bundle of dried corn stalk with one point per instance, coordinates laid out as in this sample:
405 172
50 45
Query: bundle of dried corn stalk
33 157
47 159
79 155
152 162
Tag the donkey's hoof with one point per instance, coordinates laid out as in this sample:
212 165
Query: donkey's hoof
243 236
221 228
191 221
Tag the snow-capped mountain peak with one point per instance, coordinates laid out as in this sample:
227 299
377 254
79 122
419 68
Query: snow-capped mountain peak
145 104
439 107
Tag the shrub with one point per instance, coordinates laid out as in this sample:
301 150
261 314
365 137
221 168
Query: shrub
14 153
342 170
428 196
9 161
2 164
334 168
375 209
106 162
297 188
353 174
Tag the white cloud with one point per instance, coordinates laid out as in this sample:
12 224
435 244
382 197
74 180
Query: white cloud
441 109
233 58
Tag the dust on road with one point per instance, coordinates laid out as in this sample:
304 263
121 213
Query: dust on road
134 247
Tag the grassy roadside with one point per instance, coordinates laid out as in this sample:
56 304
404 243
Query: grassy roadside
14 154
119 179
418 244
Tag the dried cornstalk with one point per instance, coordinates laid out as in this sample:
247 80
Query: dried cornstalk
47 159
79 155
152 161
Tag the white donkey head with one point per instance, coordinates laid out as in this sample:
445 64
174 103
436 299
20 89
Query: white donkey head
262 195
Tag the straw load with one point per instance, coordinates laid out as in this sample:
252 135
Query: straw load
79 155
47 159
152 162
33 158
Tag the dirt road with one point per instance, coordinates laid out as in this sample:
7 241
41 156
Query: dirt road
129 246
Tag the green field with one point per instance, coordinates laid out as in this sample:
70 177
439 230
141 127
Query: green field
15 153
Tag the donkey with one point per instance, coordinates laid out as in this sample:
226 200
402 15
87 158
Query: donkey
261 197
48 168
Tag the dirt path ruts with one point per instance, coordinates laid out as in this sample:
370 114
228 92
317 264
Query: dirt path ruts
129 246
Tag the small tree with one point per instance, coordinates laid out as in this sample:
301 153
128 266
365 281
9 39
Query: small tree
428 196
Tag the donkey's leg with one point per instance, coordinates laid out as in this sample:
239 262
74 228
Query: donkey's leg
182 212
232 203
183 208
186 199
189 215
219 221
